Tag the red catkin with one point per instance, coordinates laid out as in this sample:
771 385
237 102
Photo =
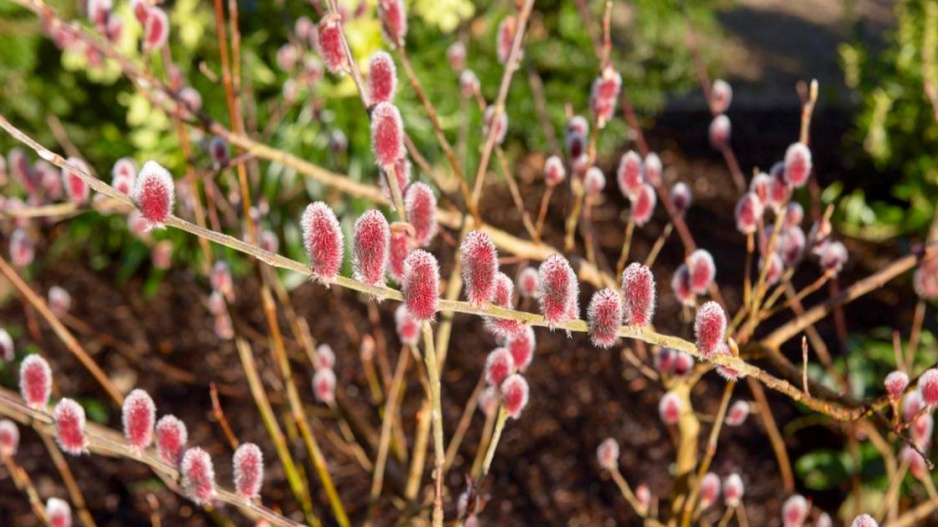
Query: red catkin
896 383
737 413
398 251
680 286
498 366
730 374
604 316
35 381
794 511
521 346
702 270
797 164
69 419
504 38
323 239
680 196
191 98
370 247
748 212
864 520
653 170
421 285
709 489
504 296
123 175
332 44
608 454
833 256
198 476
382 78
153 194
721 95
60 301
171 437
594 181
528 282
156 29
515 395
791 245
408 328
324 385
629 175
387 134
138 417
719 132
77 189
670 408
402 171
393 16
325 357
219 150
558 289
604 95
421 212
58 513
928 386
733 490
554 171
248 465
710 327
479 267
638 294
9 437
22 250
644 205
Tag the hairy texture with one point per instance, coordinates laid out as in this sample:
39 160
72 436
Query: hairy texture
702 270
797 164
323 238
721 95
498 366
748 211
730 374
9 437
683 364
896 383
605 93
760 187
864 520
408 328
77 190
928 386
124 175
670 408
324 385
604 316
198 476
504 38
69 419
393 16
515 395
171 438
791 245
156 29
594 181
680 196
138 417
421 212
331 44
397 253
521 346
833 256
558 289
35 381
733 490
644 205
153 194
710 328
779 190
504 297
608 453
680 286
479 268
737 413
370 247
775 268
58 513
7 350
719 132
382 78
653 170
387 134
794 511
554 171
638 294
629 175
528 282
421 285
794 214
248 467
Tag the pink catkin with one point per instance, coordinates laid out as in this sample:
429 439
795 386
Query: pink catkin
896 383
928 386
421 212
324 243
775 268
22 251
325 357
730 374
35 381
9 437
77 189
653 169
479 267
248 465
721 94
794 511
709 489
515 393
370 247
594 181
504 38
456 55
797 165
7 350
138 417
683 363
608 454
421 285
521 346
198 476
69 419
382 78
191 98
864 520
702 270
558 289
171 438
387 134
644 205
219 150
500 124
794 214
554 171
324 382
408 328
670 408
733 490
468 84
393 16
398 251
748 212
710 327
791 245
153 194
528 282
638 294
156 29
504 297
681 196
60 301
498 366
604 95
58 513
604 316
629 175
720 132
123 175
332 44
737 413
833 256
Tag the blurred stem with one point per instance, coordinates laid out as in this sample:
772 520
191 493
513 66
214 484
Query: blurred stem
542 213
387 422
493 444
24 484
515 193
627 491
709 453
464 422
579 194
659 244
439 455
74 491
626 247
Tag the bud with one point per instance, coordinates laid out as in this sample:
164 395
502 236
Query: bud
791 244
702 270
387 134
774 272
638 293
833 257
653 171
220 278
324 385
171 437
528 282
605 94
504 296
737 413
710 327
219 150
153 194
922 430
794 214
733 490
400 248
644 205
554 171
515 395
709 489
797 165
779 189
22 251
479 267
824 520
58 513
521 346
421 285
578 130
664 360
59 300
98 11
468 83
77 189
720 132
323 238
558 289
916 463
896 383
248 463
370 248
9 437
421 212
7 351
504 38
303 28
393 16
138 416
680 196
500 126
456 54
156 29
268 241
488 401
794 511
748 212
912 405
594 181
35 381
325 357
123 175
331 44
382 78
629 175
198 476
408 328
643 495
498 366
141 10
191 98
670 408
928 385
69 419
864 520
49 178
608 454
287 57
605 316
720 96
683 364
925 280
680 286
311 74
